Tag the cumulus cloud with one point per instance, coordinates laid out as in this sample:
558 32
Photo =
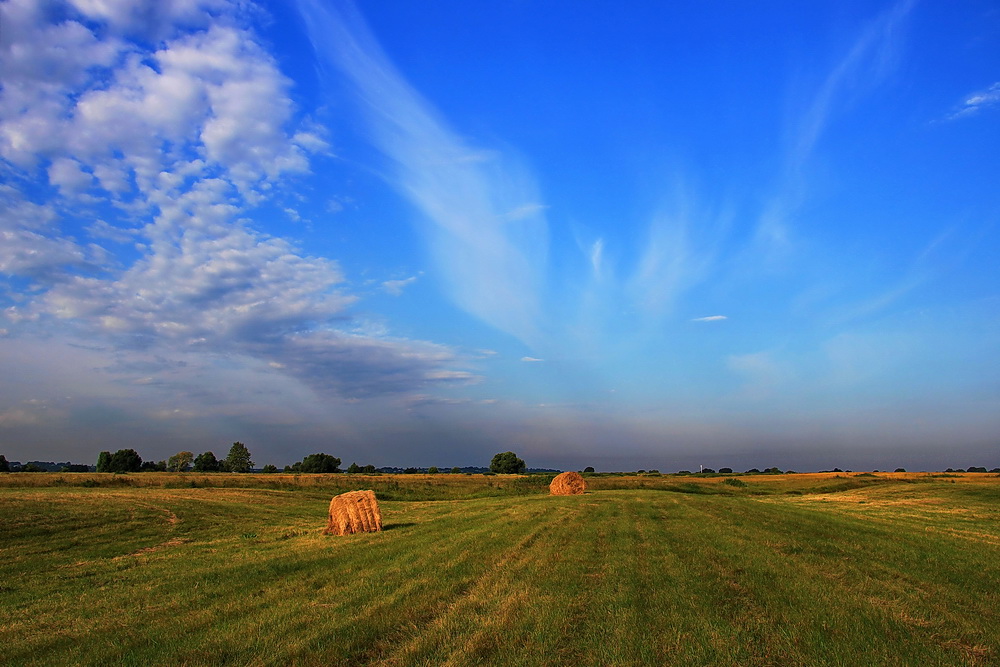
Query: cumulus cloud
182 131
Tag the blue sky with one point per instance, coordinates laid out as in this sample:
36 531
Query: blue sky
637 235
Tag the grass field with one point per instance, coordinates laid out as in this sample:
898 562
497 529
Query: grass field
890 569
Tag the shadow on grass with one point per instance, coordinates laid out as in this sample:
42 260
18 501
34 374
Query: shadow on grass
394 526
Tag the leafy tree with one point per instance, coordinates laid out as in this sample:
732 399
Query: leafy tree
239 458
456 470
507 463
589 469
708 470
4 465
411 471
125 460
753 471
683 472
975 469
369 469
433 470
206 462
726 471
773 471
104 462
322 463
150 466
269 468
354 468
900 470
75 467
180 462
31 467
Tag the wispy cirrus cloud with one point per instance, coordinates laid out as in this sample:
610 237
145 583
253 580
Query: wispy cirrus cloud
710 318
868 60
978 101
485 225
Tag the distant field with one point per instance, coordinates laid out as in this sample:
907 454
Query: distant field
887 569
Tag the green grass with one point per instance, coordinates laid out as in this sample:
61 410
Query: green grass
902 571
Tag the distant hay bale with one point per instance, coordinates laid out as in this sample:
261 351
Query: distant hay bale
568 483
354 512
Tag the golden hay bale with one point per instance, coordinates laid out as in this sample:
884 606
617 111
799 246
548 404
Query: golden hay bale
568 483
354 512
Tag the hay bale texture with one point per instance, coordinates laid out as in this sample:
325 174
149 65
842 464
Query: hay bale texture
354 512
568 483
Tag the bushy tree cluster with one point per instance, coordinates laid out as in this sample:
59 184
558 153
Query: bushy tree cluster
316 463
507 463
124 460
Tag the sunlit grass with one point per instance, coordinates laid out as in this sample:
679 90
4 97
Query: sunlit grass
894 572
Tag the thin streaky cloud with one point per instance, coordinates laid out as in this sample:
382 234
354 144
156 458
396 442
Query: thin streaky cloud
531 359
977 101
486 228
710 318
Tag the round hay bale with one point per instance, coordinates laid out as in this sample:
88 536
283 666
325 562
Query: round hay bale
568 483
354 512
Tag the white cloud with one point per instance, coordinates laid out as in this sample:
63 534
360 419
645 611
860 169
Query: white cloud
531 359
486 227
976 102
710 318
184 137
395 287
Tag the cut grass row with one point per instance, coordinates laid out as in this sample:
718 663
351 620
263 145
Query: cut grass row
885 574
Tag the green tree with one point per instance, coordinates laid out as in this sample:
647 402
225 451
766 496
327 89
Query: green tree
589 469
369 469
320 463
125 460
206 462
433 470
269 468
180 462
4 465
239 458
507 463
456 471
354 468
104 462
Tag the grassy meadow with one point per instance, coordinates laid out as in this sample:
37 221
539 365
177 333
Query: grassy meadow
185 569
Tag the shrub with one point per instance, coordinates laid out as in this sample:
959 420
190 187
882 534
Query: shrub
732 481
